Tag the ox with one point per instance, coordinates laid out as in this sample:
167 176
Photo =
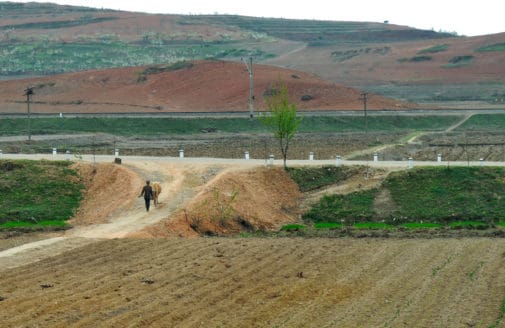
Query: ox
156 192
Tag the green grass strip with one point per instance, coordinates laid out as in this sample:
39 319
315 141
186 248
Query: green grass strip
372 225
502 224
31 224
468 224
328 225
423 225
184 126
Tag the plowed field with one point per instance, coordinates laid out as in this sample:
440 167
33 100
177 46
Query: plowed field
260 282
92 276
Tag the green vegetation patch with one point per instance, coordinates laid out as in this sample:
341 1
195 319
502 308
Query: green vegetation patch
357 206
372 225
456 197
415 59
501 224
105 51
481 122
468 225
492 47
328 225
311 178
35 225
459 61
448 194
421 225
166 125
38 191
434 49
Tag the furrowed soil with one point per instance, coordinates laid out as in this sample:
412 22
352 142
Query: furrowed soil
260 282
112 269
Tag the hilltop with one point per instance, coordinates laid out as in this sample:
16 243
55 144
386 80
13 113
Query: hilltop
401 62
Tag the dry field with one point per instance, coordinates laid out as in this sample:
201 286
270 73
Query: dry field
98 274
261 282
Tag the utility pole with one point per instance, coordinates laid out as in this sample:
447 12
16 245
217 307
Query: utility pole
364 97
249 66
29 92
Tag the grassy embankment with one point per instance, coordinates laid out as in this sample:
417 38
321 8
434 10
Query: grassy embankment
37 195
167 126
455 197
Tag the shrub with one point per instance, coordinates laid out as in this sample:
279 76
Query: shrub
434 49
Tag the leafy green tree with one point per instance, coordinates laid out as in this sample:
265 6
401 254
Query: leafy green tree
281 118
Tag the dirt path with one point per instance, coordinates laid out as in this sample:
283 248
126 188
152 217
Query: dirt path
179 183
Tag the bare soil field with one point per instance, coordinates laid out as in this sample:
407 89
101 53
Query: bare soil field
112 269
206 86
261 282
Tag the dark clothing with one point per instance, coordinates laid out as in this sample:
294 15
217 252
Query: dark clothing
148 203
147 191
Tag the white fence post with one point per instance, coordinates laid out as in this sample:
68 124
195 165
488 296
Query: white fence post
246 154
375 157
411 163
181 153
311 156
271 160
67 155
337 160
116 153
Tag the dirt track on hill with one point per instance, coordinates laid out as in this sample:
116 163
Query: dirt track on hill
92 276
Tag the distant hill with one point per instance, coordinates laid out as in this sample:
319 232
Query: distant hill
201 86
39 39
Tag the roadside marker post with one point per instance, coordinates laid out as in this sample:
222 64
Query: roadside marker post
271 160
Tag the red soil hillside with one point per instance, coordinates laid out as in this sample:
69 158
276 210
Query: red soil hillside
205 86
395 62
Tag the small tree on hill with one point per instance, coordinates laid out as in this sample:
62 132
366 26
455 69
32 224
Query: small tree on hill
281 118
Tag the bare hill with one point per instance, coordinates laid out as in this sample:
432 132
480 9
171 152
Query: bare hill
450 60
203 86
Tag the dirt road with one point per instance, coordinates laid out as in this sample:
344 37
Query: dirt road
92 276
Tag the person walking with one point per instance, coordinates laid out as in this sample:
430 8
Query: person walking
147 192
